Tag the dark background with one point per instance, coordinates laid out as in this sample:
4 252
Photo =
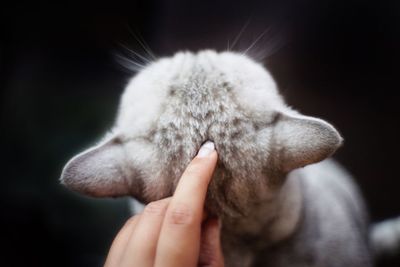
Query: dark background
60 86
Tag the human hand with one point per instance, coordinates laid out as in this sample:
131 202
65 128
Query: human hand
174 232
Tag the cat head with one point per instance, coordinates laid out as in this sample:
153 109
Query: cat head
174 105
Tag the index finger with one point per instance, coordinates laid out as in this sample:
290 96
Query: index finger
179 241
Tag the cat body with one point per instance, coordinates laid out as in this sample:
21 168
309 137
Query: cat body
273 211
332 229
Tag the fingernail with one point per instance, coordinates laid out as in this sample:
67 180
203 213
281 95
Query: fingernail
206 149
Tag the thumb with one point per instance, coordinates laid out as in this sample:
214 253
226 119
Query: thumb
210 247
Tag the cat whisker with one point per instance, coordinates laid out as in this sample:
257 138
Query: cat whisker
143 44
240 33
146 60
275 40
256 41
129 63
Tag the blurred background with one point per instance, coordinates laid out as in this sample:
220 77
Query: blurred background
61 82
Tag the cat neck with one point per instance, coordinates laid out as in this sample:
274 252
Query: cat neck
270 221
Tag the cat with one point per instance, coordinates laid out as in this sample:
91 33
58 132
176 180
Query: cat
281 200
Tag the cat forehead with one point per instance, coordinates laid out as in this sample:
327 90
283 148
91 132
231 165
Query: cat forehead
212 66
246 80
207 68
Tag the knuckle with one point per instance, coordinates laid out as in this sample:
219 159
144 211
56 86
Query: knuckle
180 215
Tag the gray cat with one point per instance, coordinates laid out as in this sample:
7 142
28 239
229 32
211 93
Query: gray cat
274 212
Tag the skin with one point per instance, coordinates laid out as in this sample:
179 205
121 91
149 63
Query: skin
174 231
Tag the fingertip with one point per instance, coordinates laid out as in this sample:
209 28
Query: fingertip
206 149
199 171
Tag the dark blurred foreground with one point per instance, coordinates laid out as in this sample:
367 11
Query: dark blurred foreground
60 86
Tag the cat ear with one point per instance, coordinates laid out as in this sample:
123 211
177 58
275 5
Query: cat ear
303 140
101 171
